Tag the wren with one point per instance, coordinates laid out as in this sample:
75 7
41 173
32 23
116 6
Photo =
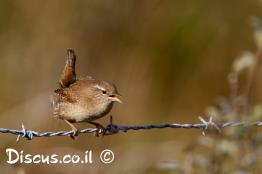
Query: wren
82 99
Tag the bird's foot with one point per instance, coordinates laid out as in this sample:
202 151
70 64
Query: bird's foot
100 130
74 134
75 131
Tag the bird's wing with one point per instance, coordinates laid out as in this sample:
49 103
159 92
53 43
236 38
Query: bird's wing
63 95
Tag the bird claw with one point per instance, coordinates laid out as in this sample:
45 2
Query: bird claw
100 131
74 134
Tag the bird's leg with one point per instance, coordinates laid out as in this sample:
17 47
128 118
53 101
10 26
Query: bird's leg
74 129
101 130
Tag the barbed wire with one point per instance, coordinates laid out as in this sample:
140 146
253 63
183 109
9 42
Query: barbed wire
113 129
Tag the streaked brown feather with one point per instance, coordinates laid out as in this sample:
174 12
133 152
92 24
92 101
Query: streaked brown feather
68 75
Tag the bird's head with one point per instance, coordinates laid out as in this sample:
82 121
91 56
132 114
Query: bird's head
107 91
100 92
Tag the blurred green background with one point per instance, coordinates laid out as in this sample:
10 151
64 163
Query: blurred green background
169 59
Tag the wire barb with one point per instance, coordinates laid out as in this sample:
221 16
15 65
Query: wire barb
114 129
25 134
111 128
208 124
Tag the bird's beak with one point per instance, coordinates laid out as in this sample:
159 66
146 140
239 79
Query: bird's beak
116 98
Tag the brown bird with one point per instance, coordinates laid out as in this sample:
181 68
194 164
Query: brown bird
84 99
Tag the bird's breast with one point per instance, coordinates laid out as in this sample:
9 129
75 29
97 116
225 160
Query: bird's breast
80 112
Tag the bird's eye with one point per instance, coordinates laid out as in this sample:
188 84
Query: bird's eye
103 91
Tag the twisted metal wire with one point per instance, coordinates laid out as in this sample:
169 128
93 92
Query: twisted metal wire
113 129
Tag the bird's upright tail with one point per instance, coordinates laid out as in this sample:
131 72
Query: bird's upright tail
68 75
